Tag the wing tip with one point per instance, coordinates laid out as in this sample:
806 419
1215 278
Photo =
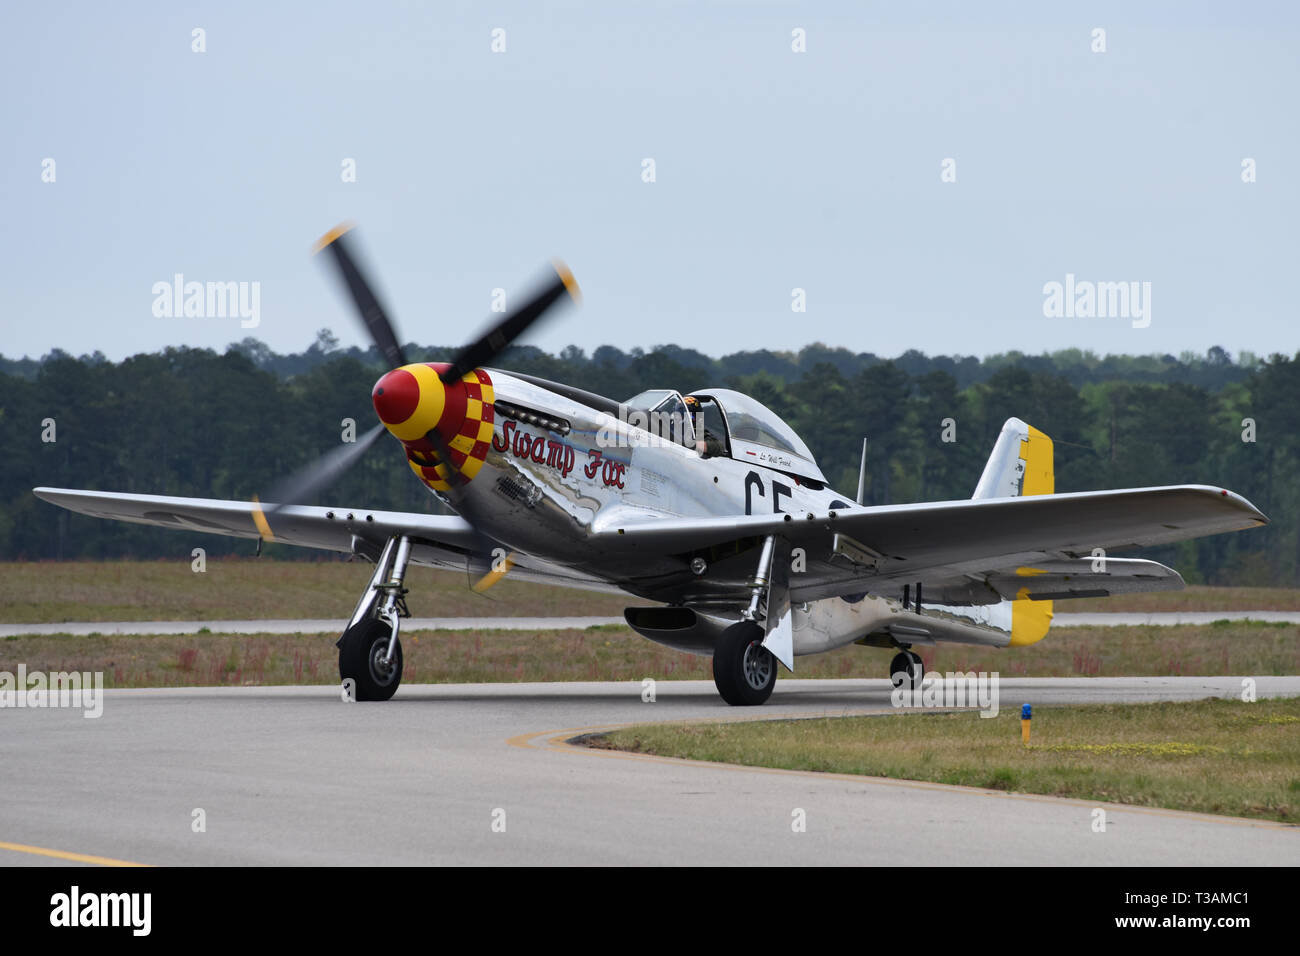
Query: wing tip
1242 504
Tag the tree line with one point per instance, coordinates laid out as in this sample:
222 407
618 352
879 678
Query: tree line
196 422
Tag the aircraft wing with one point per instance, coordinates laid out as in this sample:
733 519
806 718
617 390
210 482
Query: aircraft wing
331 529
856 549
439 541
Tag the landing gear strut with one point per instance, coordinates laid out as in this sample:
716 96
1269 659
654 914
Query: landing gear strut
370 654
906 670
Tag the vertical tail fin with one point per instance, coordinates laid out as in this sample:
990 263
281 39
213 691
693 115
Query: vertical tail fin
1021 464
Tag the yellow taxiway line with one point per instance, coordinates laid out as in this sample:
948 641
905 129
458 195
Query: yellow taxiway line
65 855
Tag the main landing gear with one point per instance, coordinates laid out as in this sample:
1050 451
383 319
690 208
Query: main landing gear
906 669
364 659
370 654
744 671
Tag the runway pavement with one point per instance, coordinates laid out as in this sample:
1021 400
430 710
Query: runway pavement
326 625
295 775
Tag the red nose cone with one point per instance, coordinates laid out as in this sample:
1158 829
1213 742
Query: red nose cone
395 396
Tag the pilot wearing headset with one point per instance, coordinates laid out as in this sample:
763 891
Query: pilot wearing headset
709 445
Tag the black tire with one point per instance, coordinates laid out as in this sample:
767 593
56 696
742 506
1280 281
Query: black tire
358 653
906 670
743 670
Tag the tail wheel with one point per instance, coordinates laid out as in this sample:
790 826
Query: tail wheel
744 671
361 659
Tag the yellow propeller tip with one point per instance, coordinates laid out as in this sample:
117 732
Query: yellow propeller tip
259 519
492 577
331 236
566 276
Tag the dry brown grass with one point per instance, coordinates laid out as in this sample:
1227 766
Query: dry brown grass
616 653
1211 756
248 588
253 588
1191 599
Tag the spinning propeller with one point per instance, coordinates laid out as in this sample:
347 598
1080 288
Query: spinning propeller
412 400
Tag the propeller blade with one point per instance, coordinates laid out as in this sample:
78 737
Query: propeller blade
455 482
327 469
490 579
498 338
372 313
321 473
460 501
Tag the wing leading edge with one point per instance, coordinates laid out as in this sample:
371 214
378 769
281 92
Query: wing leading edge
330 529
440 541
951 539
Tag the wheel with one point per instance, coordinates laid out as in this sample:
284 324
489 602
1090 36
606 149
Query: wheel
744 671
906 670
361 655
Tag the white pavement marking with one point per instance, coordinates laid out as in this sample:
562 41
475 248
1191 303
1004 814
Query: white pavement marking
292 775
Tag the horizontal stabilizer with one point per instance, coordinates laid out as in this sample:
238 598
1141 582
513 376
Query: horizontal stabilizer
1061 578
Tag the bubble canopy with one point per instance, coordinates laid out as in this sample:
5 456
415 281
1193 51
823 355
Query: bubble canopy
758 435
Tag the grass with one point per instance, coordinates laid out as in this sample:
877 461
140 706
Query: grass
250 588
247 588
1218 649
1212 756
428 657
616 653
1191 599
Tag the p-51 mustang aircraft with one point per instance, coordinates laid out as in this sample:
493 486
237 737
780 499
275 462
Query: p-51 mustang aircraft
707 504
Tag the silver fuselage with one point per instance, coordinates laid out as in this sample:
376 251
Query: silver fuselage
546 496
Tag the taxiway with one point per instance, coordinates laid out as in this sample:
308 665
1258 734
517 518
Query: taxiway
293 775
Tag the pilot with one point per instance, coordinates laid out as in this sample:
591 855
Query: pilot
710 444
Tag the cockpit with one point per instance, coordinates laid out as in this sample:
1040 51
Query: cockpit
721 422
752 432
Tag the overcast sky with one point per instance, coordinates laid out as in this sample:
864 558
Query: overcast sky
774 170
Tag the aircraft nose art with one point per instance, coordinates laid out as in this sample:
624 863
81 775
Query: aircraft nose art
412 401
